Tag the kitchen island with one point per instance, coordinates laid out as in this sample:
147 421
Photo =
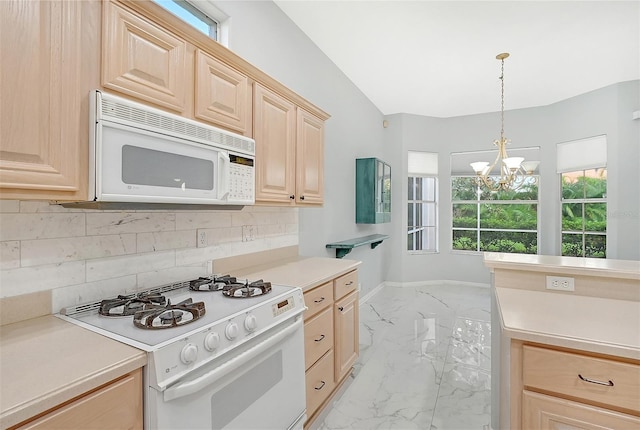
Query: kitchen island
545 340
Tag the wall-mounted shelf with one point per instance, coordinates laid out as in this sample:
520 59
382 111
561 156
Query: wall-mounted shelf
345 247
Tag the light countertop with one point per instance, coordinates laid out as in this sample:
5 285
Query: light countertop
305 272
600 267
46 361
594 324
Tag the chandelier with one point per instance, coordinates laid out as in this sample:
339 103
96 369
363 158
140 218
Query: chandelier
514 171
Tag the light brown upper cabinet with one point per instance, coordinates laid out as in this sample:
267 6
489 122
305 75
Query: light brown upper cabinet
223 95
309 158
143 60
49 63
289 151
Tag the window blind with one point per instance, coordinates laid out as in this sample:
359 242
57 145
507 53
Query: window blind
582 154
422 163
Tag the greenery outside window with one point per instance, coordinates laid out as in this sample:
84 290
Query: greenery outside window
584 213
189 13
503 221
422 228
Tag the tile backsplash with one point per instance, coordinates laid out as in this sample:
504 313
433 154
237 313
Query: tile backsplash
81 255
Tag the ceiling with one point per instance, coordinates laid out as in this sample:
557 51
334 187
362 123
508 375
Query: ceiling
437 58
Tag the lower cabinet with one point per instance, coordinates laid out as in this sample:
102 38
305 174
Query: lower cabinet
331 339
547 412
569 389
115 405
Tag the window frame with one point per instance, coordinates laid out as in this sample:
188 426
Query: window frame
436 226
582 201
478 229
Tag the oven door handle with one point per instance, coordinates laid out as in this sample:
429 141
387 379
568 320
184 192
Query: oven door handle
193 386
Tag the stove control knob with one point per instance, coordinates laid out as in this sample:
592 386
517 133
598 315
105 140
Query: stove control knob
189 353
250 323
231 330
211 341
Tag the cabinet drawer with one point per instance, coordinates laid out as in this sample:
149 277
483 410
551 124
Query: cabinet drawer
319 382
345 284
318 336
561 372
318 299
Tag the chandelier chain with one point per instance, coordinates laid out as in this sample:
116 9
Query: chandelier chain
502 101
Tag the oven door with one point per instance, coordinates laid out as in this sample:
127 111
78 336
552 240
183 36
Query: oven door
262 386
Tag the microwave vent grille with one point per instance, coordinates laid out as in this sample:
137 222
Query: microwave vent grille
175 126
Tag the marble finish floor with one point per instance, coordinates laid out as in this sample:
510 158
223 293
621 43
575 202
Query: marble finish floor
425 355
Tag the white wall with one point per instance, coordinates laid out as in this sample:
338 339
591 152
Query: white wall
262 34
604 111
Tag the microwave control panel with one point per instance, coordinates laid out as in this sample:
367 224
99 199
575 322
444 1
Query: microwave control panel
241 179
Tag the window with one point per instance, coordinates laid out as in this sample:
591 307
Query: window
198 17
422 202
583 173
503 221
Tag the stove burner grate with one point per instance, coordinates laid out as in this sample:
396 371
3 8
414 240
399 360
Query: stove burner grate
160 317
213 283
129 305
246 290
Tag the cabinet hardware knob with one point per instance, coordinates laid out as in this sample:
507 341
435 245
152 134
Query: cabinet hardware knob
341 308
301 197
292 197
321 299
321 385
593 381
320 338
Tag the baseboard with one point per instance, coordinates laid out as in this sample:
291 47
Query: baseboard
372 293
436 282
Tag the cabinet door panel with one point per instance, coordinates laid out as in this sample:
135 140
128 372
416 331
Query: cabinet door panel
309 159
118 405
43 82
274 133
546 412
318 336
223 95
143 60
347 345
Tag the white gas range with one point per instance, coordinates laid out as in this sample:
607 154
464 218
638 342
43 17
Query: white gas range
223 353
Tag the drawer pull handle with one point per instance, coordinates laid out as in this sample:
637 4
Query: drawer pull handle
349 283
321 299
320 387
341 308
320 338
593 381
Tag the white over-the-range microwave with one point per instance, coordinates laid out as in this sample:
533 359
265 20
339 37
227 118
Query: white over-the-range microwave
139 154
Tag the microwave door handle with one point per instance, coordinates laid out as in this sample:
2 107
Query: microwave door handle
244 358
223 175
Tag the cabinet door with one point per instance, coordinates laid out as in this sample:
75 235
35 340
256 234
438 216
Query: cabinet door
551 413
274 133
117 405
222 95
309 159
44 86
143 60
347 348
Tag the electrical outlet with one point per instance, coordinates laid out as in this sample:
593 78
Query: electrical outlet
248 233
560 283
202 239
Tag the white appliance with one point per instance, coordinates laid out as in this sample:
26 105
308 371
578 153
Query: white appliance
139 154
216 362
